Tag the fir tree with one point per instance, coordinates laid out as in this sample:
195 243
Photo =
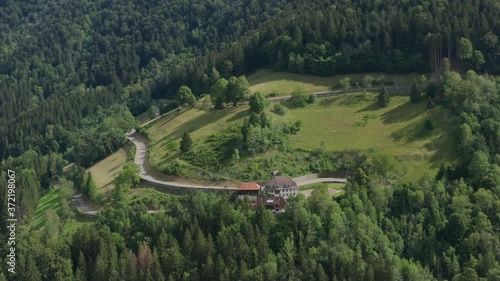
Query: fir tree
186 142
383 97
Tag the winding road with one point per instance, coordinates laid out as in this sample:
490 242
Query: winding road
148 174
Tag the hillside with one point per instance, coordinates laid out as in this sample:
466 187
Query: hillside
349 122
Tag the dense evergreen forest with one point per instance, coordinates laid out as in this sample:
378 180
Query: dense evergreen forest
73 74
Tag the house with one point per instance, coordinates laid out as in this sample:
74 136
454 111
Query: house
281 186
250 190
275 204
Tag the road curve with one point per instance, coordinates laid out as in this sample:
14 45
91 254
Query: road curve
145 171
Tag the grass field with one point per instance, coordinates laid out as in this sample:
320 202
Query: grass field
345 122
106 170
49 201
266 81
356 122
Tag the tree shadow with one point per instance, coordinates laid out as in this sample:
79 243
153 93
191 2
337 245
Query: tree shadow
197 123
169 158
326 102
403 113
412 133
238 116
371 107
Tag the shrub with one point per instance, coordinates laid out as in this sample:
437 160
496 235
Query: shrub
345 83
311 98
298 99
367 81
279 109
429 125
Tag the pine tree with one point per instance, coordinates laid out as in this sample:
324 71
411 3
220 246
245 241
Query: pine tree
81 270
186 142
383 97
415 95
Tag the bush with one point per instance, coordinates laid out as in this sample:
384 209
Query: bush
429 125
279 109
298 99
367 81
273 94
311 98
345 83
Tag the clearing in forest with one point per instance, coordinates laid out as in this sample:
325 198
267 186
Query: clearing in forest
266 81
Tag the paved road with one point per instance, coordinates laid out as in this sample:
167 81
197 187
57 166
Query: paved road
141 160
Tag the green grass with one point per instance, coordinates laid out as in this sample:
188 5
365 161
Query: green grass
166 132
337 186
74 224
105 171
356 122
345 122
266 81
51 200
48 201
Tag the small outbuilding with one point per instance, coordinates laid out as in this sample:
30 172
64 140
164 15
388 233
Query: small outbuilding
249 190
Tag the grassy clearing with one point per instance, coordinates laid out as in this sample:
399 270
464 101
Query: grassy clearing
345 122
337 186
356 122
74 224
49 201
105 171
52 201
266 81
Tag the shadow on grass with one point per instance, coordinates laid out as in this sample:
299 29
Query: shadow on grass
169 159
197 123
403 113
238 116
326 102
371 107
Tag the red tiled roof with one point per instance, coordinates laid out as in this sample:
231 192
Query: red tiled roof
249 186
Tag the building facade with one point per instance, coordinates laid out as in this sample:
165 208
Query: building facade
281 186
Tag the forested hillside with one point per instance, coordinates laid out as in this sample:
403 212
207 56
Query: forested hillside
74 73
135 48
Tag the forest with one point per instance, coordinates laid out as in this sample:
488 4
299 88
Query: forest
73 74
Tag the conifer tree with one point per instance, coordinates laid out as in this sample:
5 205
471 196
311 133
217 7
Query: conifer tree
415 95
186 142
383 97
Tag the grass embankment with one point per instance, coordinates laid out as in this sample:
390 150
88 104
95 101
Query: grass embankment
266 81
